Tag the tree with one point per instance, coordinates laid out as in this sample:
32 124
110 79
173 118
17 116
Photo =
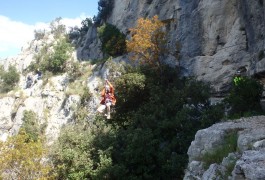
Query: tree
54 61
244 97
9 79
147 43
22 158
57 28
86 24
113 41
104 9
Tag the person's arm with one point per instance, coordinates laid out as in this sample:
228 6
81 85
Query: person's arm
110 85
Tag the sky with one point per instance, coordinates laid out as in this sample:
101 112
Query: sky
19 19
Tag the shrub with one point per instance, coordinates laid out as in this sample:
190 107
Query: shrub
245 97
128 88
9 79
74 33
57 28
30 125
73 70
147 137
155 131
22 158
54 61
82 153
148 40
86 24
39 34
85 96
113 41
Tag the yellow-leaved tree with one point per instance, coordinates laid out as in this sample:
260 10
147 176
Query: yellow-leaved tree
24 159
147 42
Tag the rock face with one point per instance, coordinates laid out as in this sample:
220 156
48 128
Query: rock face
47 97
247 162
89 47
214 38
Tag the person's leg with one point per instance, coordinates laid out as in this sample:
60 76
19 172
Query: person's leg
101 108
108 110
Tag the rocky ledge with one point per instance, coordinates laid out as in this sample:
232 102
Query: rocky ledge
246 161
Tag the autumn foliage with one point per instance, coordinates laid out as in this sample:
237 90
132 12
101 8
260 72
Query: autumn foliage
147 43
23 158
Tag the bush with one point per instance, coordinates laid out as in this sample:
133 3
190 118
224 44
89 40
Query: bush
30 125
39 34
155 131
9 79
86 24
75 32
82 153
54 61
22 158
73 70
147 137
57 28
113 41
245 97
148 42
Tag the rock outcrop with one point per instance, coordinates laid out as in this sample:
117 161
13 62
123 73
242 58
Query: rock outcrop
48 98
246 162
213 39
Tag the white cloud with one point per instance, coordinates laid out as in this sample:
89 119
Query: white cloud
14 34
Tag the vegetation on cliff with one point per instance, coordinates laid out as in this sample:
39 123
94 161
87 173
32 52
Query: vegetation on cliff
156 116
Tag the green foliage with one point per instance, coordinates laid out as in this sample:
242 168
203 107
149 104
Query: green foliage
156 130
73 69
104 9
113 41
9 79
59 57
86 24
54 61
76 32
30 125
217 156
128 89
39 34
22 158
245 97
83 153
57 28
148 136
85 96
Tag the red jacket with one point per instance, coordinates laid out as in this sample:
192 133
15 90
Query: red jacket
111 91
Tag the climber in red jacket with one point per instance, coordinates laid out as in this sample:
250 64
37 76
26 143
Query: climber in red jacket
108 99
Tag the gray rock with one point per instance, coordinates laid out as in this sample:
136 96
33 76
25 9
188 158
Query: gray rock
251 165
217 38
249 158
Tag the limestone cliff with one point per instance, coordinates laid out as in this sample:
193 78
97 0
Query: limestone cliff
50 98
214 39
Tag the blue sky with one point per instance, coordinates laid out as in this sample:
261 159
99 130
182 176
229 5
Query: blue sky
18 19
